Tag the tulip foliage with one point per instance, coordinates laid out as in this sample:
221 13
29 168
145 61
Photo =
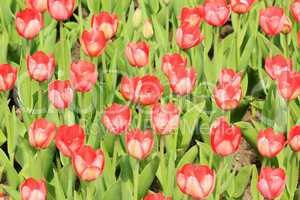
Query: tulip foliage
149 99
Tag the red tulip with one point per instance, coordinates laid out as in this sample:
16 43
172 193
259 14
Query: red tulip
229 76
60 94
137 54
32 189
61 9
41 133
271 182
165 118
197 181
269 143
39 5
3 196
276 65
156 196
108 23
93 42
241 6
216 12
295 10
83 76
289 85
69 139
139 144
294 138
40 66
88 163
193 16
272 20
146 90
170 61
29 23
225 139
287 26
8 77
117 118
188 36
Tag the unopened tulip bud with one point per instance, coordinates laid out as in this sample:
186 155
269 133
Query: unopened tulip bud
147 29
137 17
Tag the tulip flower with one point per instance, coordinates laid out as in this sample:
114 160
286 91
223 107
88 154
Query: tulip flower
29 23
148 29
3 196
272 20
229 76
39 5
8 77
216 12
145 90
241 6
295 10
224 138
287 25
165 118
60 94
139 144
32 189
170 61
276 65
83 76
69 139
193 16
117 118
108 23
93 42
188 36
40 66
137 54
289 85
41 133
137 18
294 138
270 143
197 181
88 163
61 9
271 182
156 196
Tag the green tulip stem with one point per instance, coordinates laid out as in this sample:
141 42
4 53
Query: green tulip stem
115 153
237 31
136 180
162 161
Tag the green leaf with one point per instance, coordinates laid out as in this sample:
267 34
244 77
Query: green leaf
188 157
249 132
114 192
254 192
2 137
240 182
11 173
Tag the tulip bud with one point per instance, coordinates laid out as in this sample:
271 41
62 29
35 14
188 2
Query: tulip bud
93 42
60 94
105 22
170 61
271 182
88 164
137 18
137 54
287 25
289 85
188 36
139 144
83 76
197 181
216 13
69 139
241 6
41 133
61 9
147 29
193 16
294 138
8 77
269 143
272 20
156 196
167 1
40 66
39 5
276 65
32 189
29 23
295 10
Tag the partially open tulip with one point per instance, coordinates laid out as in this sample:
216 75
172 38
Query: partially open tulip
41 133
294 138
137 54
229 76
270 143
8 77
83 76
272 20
117 118
106 22
170 61
156 196
139 144
165 118
225 139
93 42
188 36
197 181
40 66
216 12
276 65
88 163
193 16
241 6
69 139
40 5
61 9
271 182
289 85
60 94
147 29
145 90
295 10
32 189
29 23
